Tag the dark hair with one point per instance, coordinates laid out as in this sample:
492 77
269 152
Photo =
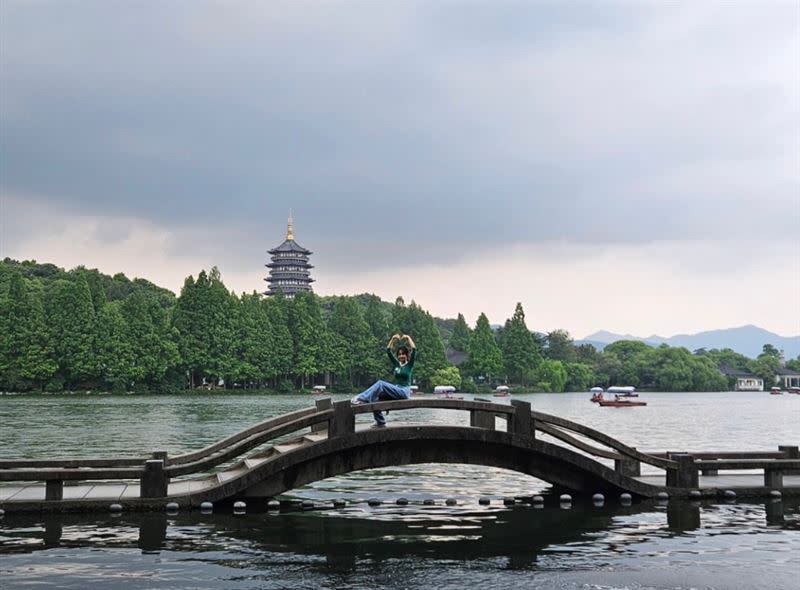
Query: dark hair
403 348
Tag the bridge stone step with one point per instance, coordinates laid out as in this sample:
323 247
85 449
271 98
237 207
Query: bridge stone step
230 474
285 448
316 437
252 462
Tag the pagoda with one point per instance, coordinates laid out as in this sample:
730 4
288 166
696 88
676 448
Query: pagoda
289 271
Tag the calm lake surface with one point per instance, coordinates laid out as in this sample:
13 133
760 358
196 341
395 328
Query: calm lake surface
716 544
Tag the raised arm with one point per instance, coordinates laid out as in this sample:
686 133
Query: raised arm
390 350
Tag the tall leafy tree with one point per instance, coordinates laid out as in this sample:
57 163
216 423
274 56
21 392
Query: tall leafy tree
560 346
26 355
355 339
521 356
459 340
149 338
117 357
189 318
255 350
71 319
484 357
306 327
551 376
282 363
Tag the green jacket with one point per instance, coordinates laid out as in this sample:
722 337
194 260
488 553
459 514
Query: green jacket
403 374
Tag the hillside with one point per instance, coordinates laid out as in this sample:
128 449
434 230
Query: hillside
747 340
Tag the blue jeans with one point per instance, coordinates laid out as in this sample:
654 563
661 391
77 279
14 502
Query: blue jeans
382 391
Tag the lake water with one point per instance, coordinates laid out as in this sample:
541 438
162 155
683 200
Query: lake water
716 544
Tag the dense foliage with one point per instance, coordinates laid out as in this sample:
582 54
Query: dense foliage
82 329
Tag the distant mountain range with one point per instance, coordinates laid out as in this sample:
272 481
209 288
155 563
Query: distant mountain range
746 340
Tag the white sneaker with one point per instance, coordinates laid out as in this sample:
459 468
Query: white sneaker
356 402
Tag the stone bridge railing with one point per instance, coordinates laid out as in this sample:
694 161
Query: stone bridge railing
338 419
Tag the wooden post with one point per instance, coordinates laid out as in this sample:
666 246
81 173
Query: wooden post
685 474
54 489
790 452
154 480
344 420
773 478
520 423
162 455
322 405
481 419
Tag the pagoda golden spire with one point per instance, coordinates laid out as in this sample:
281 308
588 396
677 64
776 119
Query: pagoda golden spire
290 229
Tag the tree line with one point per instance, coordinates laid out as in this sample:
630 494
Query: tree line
82 329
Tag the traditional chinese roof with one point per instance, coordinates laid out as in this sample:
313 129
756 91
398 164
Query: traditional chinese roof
290 246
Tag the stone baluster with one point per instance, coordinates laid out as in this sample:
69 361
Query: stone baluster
343 421
322 405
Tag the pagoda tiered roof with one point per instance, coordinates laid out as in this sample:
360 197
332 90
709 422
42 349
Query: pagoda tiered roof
290 246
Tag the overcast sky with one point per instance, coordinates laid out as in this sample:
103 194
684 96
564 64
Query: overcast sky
628 166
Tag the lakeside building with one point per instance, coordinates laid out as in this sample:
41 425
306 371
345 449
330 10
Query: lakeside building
744 381
289 270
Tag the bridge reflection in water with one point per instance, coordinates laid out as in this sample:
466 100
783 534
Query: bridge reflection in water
316 443
520 533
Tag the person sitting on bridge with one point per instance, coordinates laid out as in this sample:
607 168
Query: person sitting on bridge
403 364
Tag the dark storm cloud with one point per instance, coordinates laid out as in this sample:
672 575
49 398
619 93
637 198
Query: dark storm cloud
447 125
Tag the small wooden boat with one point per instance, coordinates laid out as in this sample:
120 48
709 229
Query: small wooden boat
620 403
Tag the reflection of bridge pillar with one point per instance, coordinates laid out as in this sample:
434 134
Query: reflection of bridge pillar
53 530
152 532
683 516
774 510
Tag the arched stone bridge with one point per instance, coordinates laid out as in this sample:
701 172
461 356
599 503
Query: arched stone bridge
312 444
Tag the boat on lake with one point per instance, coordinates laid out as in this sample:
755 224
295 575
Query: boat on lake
501 391
597 394
623 390
619 403
775 391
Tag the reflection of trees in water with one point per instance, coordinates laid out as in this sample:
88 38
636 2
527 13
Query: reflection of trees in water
519 535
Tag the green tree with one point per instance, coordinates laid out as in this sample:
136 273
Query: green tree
459 340
190 320
282 363
149 338
579 377
520 354
484 356
446 376
551 376
306 326
115 351
356 342
71 320
255 341
560 346
26 355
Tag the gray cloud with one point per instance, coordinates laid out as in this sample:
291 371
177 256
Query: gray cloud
443 125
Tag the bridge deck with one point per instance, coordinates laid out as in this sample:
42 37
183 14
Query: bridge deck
242 464
118 492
